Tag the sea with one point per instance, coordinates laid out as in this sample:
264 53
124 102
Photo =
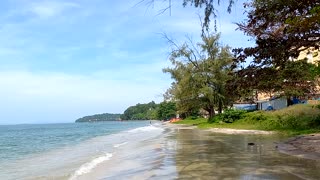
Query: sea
79 150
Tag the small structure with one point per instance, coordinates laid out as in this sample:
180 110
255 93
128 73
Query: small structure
274 103
247 107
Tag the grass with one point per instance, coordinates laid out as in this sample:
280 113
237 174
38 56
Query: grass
294 120
191 121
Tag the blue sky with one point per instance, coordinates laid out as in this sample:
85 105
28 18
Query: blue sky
64 59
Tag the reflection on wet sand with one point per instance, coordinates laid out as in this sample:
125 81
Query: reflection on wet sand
197 154
205 155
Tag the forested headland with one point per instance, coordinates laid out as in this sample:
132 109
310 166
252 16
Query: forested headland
99 117
148 111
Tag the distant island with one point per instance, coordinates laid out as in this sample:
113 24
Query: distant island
99 118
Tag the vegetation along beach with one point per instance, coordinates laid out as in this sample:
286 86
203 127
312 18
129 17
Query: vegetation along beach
160 90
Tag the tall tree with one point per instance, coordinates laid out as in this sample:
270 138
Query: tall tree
281 29
296 78
200 72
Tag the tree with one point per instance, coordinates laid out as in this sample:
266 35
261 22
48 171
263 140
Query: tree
99 117
141 112
166 110
209 7
295 79
200 72
210 10
281 29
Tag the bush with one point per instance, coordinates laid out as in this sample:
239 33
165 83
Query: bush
214 119
317 106
228 116
297 117
256 116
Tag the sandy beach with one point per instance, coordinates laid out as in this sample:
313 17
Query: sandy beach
220 130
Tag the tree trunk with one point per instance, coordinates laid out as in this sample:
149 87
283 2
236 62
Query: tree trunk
211 112
220 107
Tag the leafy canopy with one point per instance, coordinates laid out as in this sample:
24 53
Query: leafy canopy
200 72
281 29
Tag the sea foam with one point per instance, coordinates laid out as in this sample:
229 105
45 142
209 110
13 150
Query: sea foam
121 144
87 167
145 129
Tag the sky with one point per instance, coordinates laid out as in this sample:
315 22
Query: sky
64 59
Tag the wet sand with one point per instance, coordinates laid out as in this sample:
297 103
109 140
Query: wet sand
186 152
220 130
306 146
209 155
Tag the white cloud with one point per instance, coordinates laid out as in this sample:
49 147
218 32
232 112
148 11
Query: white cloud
47 9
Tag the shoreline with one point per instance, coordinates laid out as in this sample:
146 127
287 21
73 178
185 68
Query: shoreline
303 146
220 130
239 131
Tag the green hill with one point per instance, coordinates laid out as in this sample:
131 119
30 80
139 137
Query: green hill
99 117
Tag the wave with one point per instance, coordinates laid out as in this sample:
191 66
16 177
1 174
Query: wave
87 167
145 129
125 137
121 144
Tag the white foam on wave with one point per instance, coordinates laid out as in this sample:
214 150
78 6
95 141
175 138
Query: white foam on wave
121 144
87 167
145 129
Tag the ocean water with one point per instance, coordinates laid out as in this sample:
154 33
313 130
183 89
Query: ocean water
66 151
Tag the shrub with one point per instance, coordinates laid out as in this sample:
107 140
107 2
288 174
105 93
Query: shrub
228 116
297 117
317 106
256 116
214 119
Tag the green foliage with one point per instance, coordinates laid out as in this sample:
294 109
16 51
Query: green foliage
200 72
99 117
295 78
210 9
256 116
141 112
228 116
281 30
276 24
296 119
166 110
192 121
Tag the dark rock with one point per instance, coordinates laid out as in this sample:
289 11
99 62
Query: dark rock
250 144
